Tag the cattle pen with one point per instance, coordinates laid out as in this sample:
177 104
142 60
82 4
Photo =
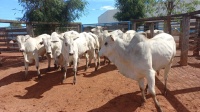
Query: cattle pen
104 90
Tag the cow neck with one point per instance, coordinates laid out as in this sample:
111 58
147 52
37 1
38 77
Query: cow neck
121 53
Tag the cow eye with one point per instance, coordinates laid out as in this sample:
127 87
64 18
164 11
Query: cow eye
106 43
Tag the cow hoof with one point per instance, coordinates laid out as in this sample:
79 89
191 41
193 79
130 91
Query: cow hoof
48 69
62 69
39 76
165 92
86 68
96 68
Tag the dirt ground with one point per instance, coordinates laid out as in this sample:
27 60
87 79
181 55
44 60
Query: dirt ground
105 90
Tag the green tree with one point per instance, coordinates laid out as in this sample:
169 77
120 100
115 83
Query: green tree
62 11
170 7
129 9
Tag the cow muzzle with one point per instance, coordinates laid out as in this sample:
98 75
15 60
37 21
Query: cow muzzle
71 54
21 50
48 53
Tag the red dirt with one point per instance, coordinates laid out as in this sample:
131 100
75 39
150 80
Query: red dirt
105 90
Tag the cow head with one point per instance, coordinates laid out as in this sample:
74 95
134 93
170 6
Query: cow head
47 44
21 40
108 45
68 43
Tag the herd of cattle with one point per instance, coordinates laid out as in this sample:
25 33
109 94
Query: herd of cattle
135 55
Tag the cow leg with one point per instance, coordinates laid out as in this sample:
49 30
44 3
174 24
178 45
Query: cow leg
49 62
104 61
87 60
98 58
75 61
26 69
37 66
95 61
142 88
65 71
151 88
166 72
92 55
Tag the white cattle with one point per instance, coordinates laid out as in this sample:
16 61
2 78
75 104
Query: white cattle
31 50
141 57
155 32
53 45
128 35
102 34
73 48
97 47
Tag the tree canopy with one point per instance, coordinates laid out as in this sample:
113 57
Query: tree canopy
129 9
61 11
169 7
52 10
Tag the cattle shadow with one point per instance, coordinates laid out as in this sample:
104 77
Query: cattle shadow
16 61
124 103
177 65
18 77
177 105
45 83
198 58
11 61
131 101
102 69
195 65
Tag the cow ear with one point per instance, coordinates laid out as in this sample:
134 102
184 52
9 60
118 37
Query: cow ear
112 38
14 40
41 43
144 33
75 38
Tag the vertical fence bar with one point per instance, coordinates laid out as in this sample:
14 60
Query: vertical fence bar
185 40
196 49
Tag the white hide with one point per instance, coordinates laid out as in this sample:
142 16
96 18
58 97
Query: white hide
31 49
53 45
141 57
73 48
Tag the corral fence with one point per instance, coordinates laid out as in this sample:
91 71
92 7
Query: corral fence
122 25
7 34
185 29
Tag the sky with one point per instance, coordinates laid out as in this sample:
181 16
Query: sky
11 10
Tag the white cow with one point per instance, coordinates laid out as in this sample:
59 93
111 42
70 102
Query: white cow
97 47
73 48
102 34
141 57
128 35
31 50
53 45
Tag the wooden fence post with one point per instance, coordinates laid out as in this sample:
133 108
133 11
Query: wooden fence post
165 26
185 40
197 38
134 26
151 29
180 34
